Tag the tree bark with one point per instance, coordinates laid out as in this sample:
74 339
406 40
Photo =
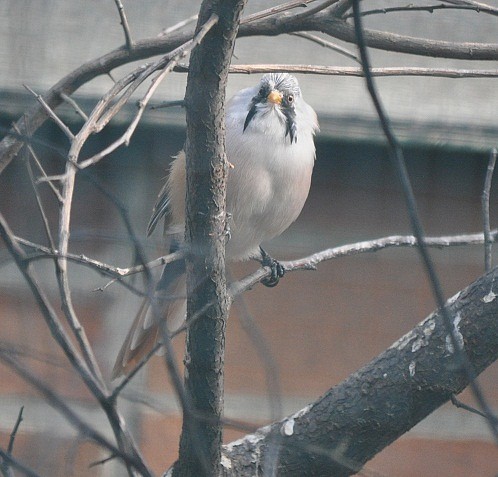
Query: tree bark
374 406
207 167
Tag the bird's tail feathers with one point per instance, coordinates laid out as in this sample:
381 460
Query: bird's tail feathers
145 331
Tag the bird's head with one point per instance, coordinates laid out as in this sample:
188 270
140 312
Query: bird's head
277 93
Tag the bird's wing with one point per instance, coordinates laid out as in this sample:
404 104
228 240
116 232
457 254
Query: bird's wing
171 199
161 208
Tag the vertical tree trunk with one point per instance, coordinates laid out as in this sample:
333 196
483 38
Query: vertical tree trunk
200 444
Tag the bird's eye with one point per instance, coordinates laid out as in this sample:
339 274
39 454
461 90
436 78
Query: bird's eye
290 98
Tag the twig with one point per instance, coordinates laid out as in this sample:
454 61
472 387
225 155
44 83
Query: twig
12 462
485 210
41 210
13 434
478 6
178 26
4 462
104 268
169 104
310 262
51 113
284 7
327 44
58 403
145 48
427 8
171 63
313 11
124 24
462 405
75 105
38 163
48 313
398 161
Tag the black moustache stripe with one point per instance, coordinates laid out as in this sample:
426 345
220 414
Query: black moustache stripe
250 115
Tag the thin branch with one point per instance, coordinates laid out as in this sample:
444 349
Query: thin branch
48 313
39 166
310 262
284 7
426 8
75 105
485 210
398 162
313 11
39 203
478 6
172 62
13 434
12 462
178 26
327 44
58 403
461 405
5 462
326 23
124 24
51 113
169 104
455 73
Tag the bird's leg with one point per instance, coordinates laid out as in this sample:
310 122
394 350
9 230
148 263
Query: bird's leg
277 270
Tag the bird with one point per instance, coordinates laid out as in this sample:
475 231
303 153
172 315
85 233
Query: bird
270 147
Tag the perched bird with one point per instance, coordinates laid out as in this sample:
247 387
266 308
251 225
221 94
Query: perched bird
269 143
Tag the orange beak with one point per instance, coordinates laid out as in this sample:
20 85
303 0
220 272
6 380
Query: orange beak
275 97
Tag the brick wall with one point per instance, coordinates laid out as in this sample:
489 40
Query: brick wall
319 326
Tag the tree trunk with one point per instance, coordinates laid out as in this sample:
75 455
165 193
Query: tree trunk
200 443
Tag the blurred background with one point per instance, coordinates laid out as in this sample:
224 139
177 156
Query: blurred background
319 326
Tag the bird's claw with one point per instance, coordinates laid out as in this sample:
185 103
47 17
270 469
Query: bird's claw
276 268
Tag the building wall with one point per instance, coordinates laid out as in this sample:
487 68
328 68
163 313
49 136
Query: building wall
319 326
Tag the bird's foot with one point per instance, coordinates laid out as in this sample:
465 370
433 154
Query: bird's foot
276 268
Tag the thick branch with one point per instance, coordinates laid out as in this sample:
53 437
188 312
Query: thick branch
374 406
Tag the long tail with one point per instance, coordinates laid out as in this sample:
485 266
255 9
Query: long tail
145 330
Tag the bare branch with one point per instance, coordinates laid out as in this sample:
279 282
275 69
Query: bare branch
5 465
368 246
58 403
13 434
399 165
11 462
51 113
349 424
462 405
485 210
124 24
173 60
75 105
284 7
455 73
478 6
178 26
427 8
327 44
